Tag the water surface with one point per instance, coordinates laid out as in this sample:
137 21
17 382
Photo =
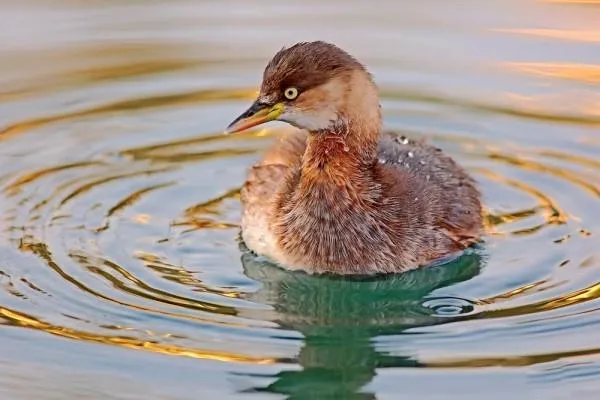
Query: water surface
121 274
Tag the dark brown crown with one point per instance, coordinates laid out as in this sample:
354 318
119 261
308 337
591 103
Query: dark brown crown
306 65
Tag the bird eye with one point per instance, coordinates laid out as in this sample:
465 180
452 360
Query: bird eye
290 93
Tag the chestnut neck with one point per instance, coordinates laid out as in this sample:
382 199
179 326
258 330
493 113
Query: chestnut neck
348 148
342 150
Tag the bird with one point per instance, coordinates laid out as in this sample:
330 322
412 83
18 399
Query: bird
337 194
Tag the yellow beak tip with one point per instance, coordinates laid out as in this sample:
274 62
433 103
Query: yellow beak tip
254 116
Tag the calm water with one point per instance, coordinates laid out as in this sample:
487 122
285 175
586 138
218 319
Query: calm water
121 276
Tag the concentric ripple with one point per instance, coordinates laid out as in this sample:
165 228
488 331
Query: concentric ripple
119 210
137 247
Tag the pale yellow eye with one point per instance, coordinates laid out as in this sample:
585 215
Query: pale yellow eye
290 93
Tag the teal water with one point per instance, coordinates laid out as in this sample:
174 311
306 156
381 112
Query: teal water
121 274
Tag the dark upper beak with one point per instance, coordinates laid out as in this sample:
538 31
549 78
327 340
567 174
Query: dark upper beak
257 114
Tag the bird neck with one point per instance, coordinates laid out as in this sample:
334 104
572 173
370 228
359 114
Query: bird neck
341 151
350 145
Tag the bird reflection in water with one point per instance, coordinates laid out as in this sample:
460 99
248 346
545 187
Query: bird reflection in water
339 317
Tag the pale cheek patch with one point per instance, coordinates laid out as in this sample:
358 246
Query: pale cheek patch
309 120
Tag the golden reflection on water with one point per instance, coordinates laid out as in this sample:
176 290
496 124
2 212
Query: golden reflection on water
27 321
14 187
40 250
573 1
579 72
551 211
180 275
133 198
590 187
575 35
516 361
196 215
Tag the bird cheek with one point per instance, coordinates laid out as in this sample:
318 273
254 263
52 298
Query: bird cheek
312 120
292 116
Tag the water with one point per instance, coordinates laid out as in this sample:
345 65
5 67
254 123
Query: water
121 276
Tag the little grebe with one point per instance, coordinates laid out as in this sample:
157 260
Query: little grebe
338 195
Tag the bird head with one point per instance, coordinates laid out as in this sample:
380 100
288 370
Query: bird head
310 85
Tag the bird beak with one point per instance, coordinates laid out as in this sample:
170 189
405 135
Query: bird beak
257 114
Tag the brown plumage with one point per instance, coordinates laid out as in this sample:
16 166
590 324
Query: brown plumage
337 195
